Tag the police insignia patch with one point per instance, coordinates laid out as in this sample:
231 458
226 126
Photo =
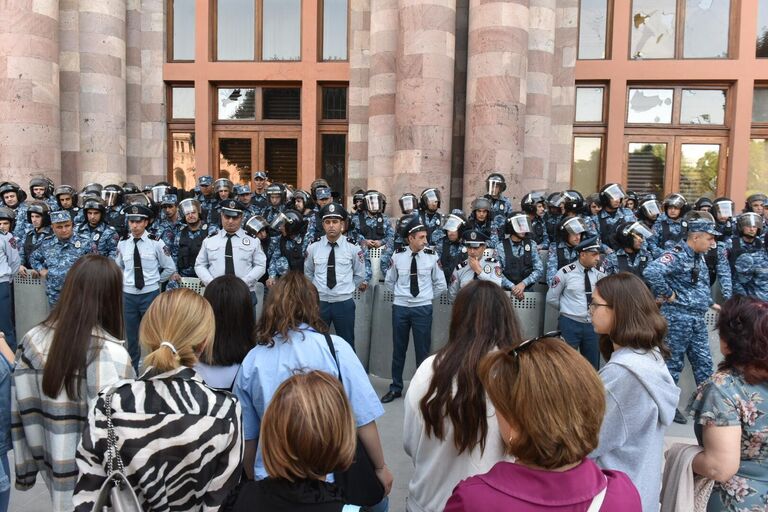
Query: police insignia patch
473 235
487 269
246 241
666 259
77 244
12 242
498 272
527 248
166 251
134 210
331 208
96 237
555 282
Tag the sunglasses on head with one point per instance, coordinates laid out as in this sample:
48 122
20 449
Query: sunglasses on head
527 343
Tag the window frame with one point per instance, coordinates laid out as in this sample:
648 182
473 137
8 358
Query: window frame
761 126
321 32
169 32
604 110
608 32
169 101
677 94
259 105
322 120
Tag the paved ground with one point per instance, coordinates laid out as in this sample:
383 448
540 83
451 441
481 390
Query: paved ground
390 428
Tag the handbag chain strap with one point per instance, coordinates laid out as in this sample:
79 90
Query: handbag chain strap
112 453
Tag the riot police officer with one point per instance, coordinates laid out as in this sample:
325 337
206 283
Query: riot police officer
259 200
670 227
632 255
480 219
648 211
611 214
372 228
66 198
552 217
14 197
39 222
429 204
276 199
222 191
723 211
103 238
570 232
519 257
533 205
289 248
448 242
190 237
750 257
9 265
495 185
41 189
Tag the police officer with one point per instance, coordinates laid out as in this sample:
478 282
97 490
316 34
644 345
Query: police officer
747 279
336 266
476 266
632 255
276 198
415 278
358 200
259 200
9 265
56 254
222 191
480 219
206 198
448 242
39 220
231 251
409 204
552 217
14 197
66 198
7 221
429 204
190 237
670 227
495 185
519 257
533 205
680 279
571 293
41 189
723 211
373 229
756 203
303 203
289 248
611 214
103 238
257 228
323 196
146 262
112 195
170 226
648 211
631 200
563 251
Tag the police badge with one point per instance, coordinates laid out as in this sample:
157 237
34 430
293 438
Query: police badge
77 244
96 237
487 269
246 241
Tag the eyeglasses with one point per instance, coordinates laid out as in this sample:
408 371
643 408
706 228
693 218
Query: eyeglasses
527 343
595 305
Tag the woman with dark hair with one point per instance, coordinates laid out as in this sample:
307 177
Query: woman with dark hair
291 336
730 410
641 397
64 362
230 299
450 431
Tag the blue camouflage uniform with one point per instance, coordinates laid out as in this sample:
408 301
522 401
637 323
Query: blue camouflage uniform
539 231
30 242
451 253
501 207
622 261
489 228
666 234
103 238
259 202
551 222
605 223
520 262
270 212
752 273
559 256
58 256
167 231
22 224
374 227
78 214
187 244
286 254
735 247
9 265
683 272
433 221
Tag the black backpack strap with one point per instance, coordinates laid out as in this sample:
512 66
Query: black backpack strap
333 353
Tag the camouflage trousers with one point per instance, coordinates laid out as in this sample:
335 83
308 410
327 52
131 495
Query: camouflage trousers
687 336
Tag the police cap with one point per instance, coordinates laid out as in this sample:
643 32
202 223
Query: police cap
333 211
231 208
137 212
60 217
590 244
474 238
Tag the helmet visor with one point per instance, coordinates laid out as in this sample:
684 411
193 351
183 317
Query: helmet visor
575 225
723 208
494 187
614 192
639 229
373 203
188 206
158 192
110 197
750 220
453 223
407 204
431 195
520 224
650 208
278 221
255 225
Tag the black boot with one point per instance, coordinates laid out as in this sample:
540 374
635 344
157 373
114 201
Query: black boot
680 418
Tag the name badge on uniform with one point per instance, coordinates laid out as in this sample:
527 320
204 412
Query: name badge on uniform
501 206
77 244
96 237
246 241
487 269
528 248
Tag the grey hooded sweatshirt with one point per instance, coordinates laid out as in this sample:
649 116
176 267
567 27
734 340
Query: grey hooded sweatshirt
641 399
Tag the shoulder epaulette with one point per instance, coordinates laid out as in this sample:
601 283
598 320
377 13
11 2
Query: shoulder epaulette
402 249
677 248
153 237
492 260
569 268
427 250
48 237
211 235
351 240
462 264
316 239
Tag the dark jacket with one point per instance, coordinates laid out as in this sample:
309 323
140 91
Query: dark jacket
277 495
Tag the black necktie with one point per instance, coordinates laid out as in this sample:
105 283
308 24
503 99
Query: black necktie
138 271
229 262
331 281
587 286
414 276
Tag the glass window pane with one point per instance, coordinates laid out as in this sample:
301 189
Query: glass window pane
593 15
235 160
334 157
183 102
760 106
282 103
282 160
653 29
701 106
237 104
334 29
334 102
281 29
757 181
234 31
706 29
183 171
646 163
762 29
586 163
183 29
650 106
699 164
589 104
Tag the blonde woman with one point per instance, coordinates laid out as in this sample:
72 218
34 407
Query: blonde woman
308 431
180 441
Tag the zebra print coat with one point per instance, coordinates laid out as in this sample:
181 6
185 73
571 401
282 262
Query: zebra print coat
181 442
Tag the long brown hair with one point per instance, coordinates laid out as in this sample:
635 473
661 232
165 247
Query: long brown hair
291 302
743 326
482 318
637 323
92 297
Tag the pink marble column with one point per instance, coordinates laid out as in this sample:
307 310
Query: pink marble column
30 137
424 96
496 93
102 31
381 107
359 72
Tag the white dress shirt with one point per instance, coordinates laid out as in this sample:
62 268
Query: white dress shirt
567 293
350 268
430 276
249 260
155 255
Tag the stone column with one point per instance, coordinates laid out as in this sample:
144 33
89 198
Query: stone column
359 62
30 137
381 108
496 93
102 26
424 101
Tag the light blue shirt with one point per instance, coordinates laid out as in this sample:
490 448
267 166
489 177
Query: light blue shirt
9 257
350 268
249 261
430 276
265 368
156 263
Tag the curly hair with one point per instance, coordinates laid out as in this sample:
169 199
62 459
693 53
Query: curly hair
743 326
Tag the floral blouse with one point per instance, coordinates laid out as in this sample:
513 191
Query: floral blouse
726 399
